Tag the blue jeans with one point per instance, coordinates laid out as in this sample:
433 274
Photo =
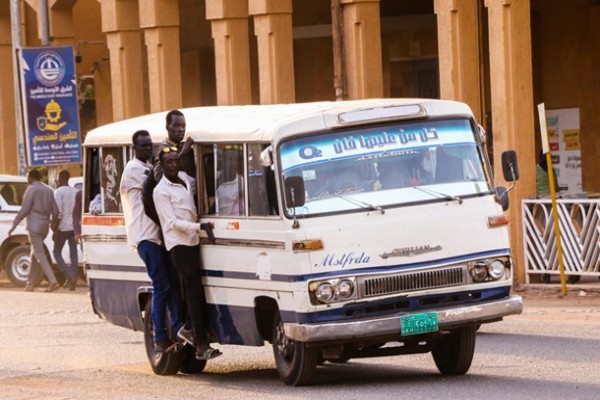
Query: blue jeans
60 238
165 284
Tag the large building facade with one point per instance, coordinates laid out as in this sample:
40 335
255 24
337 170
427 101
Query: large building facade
502 57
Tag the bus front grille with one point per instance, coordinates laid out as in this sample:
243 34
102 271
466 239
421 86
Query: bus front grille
410 281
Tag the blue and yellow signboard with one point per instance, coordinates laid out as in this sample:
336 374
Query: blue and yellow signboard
51 107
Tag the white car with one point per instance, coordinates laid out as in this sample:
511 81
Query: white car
76 182
14 250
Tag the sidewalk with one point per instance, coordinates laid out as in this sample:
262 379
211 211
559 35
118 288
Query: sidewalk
584 294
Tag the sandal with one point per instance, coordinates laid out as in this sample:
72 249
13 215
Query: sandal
209 354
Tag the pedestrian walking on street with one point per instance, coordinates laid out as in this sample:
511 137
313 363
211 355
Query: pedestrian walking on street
40 210
65 200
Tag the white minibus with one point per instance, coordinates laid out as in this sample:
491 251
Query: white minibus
332 230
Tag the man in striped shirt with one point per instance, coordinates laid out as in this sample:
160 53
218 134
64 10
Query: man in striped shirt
65 200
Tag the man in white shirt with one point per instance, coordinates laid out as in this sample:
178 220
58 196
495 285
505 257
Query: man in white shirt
144 235
65 200
176 209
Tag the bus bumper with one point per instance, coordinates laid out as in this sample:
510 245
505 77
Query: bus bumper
448 317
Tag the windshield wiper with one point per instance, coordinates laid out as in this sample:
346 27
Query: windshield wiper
439 195
361 203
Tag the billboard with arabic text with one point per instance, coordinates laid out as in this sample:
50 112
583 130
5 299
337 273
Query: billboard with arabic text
52 134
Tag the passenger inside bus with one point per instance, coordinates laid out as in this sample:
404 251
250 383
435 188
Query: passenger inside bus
230 192
349 178
393 174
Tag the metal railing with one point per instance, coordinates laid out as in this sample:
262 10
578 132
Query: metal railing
579 225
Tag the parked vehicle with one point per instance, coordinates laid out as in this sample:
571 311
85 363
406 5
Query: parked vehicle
15 249
331 230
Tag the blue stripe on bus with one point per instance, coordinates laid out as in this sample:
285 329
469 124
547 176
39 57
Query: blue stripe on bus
116 268
370 270
306 277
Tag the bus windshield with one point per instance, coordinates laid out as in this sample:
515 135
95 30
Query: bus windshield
398 164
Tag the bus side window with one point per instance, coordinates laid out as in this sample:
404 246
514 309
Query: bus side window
207 183
92 179
230 196
262 199
111 169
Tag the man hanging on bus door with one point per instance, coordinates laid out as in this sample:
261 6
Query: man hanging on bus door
144 235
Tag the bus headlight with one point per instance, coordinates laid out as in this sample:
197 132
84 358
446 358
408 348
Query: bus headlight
332 290
324 292
478 271
344 289
489 269
496 269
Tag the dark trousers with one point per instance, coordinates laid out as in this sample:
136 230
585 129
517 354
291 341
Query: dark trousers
187 261
60 237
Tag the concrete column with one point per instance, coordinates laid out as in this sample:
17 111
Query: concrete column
458 44
512 106
60 22
160 22
588 99
229 23
273 30
362 49
8 139
123 39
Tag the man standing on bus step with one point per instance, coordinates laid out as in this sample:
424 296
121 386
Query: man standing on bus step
65 200
144 235
176 209
40 210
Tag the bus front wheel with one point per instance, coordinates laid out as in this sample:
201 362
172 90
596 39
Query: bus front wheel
453 353
296 363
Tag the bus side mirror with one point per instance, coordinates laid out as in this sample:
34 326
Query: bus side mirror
294 191
510 168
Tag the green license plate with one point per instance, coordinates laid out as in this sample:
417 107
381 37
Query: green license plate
418 323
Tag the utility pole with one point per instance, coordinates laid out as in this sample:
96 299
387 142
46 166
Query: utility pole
338 50
15 22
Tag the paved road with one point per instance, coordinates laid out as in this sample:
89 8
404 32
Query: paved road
53 347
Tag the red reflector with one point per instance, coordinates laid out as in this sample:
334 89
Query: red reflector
497 220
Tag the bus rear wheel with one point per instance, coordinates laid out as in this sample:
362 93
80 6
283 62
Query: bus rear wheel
162 363
296 363
453 353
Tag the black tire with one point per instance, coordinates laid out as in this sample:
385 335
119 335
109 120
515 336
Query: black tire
18 266
161 363
573 278
453 353
296 363
190 364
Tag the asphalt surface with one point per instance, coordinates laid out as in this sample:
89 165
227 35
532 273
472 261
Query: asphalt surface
52 346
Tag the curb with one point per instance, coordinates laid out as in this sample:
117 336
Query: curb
556 288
